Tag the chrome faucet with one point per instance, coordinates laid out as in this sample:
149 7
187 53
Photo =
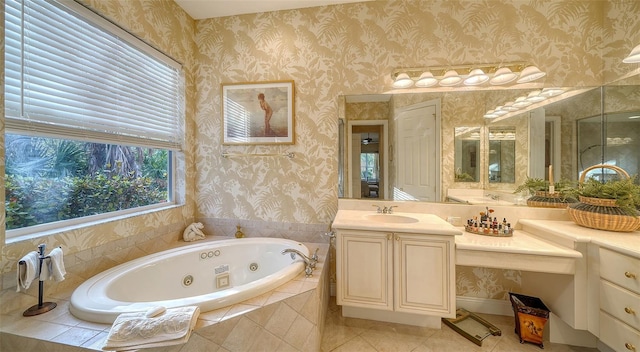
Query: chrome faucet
310 262
385 210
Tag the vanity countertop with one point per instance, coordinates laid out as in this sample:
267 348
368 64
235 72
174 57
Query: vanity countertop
520 243
623 242
522 251
397 222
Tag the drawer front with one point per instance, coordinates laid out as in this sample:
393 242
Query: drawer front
620 303
620 269
618 335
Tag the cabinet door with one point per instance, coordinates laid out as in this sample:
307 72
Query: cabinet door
424 274
363 269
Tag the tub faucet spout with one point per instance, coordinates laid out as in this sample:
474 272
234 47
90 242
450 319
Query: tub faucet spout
310 263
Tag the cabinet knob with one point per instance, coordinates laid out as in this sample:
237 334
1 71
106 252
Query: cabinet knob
630 347
629 310
630 275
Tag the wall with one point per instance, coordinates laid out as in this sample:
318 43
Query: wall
95 247
352 49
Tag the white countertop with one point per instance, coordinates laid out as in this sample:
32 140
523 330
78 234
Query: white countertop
520 243
370 221
624 242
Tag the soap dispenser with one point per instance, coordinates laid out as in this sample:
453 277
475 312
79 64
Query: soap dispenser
239 233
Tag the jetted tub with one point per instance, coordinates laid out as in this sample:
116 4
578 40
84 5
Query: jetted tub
210 274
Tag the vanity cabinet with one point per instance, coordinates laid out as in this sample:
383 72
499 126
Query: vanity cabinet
403 273
619 300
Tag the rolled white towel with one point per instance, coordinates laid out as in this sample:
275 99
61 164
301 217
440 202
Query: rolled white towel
28 271
56 264
153 328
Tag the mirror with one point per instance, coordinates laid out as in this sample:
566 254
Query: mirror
467 154
556 132
502 155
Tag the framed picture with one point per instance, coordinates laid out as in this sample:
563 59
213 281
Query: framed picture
258 113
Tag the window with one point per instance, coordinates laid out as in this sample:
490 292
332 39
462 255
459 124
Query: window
369 167
93 116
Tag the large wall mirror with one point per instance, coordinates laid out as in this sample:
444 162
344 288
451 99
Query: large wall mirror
467 154
502 154
571 131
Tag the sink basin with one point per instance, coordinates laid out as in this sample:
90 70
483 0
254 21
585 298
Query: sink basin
391 218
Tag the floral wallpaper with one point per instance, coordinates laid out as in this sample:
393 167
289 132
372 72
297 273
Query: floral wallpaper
329 52
351 49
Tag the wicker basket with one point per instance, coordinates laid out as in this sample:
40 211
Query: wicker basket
544 199
602 214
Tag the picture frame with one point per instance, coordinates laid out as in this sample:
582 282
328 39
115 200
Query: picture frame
258 112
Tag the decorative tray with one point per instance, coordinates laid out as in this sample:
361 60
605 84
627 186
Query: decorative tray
485 231
487 226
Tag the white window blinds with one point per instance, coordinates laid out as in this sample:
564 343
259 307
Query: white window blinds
70 73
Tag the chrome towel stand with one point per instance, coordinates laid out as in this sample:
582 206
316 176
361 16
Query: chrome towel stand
41 307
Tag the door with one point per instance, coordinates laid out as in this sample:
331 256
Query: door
424 275
418 165
364 269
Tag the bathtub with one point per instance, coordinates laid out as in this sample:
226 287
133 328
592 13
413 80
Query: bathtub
211 275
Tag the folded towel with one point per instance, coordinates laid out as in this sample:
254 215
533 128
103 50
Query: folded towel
55 265
28 271
132 331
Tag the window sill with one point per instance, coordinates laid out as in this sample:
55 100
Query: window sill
85 225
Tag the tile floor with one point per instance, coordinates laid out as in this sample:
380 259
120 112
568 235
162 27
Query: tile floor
359 335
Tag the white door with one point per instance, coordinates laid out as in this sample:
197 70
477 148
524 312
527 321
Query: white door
418 165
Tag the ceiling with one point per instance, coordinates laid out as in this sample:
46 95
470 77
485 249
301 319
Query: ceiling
201 9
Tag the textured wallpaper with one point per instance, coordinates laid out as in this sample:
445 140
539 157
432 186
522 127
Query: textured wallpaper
352 49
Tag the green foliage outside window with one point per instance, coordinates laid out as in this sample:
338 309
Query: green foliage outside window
49 180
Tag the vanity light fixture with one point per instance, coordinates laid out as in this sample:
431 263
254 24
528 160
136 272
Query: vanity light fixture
403 81
535 97
451 78
502 76
634 56
499 111
509 107
476 77
551 92
473 75
521 102
529 74
426 80
490 114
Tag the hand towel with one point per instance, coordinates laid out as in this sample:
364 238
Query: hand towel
132 331
56 264
28 271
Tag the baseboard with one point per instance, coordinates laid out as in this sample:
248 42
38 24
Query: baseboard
485 305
